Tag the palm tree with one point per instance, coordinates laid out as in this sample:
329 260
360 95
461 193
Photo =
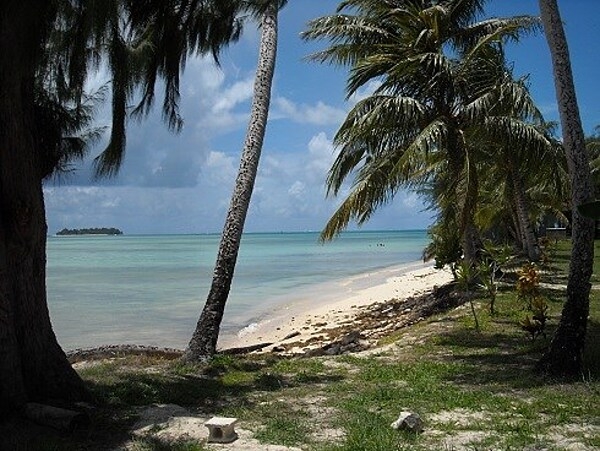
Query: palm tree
520 187
524 163
437 70
565 355
203 343
47 48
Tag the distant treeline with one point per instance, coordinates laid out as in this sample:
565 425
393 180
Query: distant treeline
91 231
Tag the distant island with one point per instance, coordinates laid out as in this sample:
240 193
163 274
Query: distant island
91 231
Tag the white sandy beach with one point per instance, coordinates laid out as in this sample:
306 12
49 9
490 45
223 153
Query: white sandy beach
325 308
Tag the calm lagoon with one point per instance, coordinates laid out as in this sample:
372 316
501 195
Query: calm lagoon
150 289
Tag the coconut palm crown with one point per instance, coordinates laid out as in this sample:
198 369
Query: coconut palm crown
437 77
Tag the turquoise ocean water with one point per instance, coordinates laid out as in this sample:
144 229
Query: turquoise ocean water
150 289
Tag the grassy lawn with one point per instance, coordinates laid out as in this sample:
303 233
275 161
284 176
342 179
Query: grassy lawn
474 390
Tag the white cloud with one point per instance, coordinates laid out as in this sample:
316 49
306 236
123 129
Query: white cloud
220 169
297 189
289 195
206 76
234 95
317 114
322 155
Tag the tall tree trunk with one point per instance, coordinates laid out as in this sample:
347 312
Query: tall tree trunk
470 237
529 240
33 367
518 231
204 340
460 168
564 358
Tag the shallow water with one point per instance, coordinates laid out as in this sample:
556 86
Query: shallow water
150 289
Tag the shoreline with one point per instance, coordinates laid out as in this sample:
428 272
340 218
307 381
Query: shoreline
313 317
307 316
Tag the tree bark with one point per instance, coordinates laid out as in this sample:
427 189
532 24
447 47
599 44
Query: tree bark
471 239
33 367
565 355
204 339
529 240
461 168
517 232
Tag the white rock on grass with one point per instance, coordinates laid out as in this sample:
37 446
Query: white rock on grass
408 421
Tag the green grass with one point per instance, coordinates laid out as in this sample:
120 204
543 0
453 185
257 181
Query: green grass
283 424
474 390
560 264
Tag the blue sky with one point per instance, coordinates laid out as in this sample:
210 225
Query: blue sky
181 183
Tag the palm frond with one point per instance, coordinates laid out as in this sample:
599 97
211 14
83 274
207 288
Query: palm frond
499 30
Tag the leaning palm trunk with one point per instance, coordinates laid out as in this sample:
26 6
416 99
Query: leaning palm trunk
530 243
204 340
566 349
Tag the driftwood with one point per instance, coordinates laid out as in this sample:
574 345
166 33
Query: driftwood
244 349
55 417
291 335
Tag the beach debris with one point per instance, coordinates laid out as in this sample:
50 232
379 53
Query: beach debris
408 421
345 343
114 351
245 349
291 335
313 352
362 332
221 429
350 338
333 349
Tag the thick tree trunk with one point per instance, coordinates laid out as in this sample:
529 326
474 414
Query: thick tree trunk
565 356
33 367
529 240
204 340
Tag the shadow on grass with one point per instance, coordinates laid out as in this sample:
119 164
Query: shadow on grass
214 389
591 357
507 360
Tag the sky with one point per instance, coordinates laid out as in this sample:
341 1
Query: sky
182 183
